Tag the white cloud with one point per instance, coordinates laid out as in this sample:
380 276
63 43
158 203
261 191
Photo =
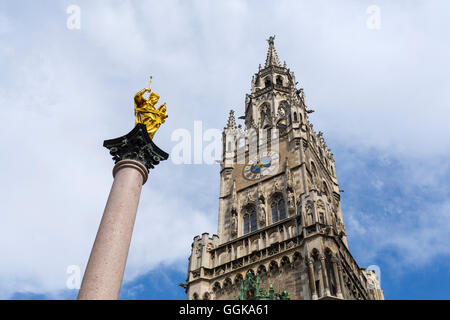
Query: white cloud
417 237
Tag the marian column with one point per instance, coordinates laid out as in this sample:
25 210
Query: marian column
134 154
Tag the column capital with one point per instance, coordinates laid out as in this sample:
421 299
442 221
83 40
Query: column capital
136 145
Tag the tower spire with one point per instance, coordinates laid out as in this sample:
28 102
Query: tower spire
272 57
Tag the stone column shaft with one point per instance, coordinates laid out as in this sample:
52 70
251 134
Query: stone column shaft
324 276
341 280
312 281
337 279
104 272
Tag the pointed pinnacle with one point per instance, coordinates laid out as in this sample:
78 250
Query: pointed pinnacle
272 57
231 120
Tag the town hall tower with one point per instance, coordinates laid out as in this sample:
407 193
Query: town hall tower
279 207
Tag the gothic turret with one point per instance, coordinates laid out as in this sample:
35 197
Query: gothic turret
275 101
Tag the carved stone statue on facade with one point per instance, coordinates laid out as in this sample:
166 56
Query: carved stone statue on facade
288 174
334 210
234 224
259 192
276 186
291 202
309 213
262 212
251 195
321 211
198 254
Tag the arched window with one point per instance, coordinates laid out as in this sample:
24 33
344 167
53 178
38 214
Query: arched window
265 114
273 267
227 283
278 208
267 82
250 223
216 287
295 117
299 213
265 109
262 270
285 105
285 262
321 211
238 279
279 81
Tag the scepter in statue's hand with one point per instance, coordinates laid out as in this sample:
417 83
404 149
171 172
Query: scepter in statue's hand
150 85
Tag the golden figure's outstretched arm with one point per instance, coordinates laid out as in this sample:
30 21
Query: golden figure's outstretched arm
161 106
138 97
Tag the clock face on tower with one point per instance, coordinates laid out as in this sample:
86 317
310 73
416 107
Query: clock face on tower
265 164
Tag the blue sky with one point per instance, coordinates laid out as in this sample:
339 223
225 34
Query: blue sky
380 96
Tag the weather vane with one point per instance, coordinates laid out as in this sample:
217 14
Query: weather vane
145 111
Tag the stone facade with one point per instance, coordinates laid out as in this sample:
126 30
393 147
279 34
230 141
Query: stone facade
279 205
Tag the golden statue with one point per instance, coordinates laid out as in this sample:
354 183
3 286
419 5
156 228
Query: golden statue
145 111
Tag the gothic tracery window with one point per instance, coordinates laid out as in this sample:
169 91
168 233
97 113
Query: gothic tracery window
250 221
265 114
279 81
278 208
